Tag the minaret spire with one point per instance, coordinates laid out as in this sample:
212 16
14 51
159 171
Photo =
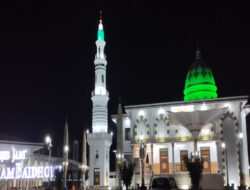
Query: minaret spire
100 19
100 33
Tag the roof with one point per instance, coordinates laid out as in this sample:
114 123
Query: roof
21 143
175 103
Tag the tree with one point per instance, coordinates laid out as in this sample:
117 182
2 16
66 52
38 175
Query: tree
58 179
127 171
195 167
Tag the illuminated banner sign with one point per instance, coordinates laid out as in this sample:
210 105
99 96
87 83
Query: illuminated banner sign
28 172
13 155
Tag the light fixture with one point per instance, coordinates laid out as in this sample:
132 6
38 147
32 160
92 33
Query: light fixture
47 139
228 105
127 122
111 133
87 131
141 137
141 113
161 111
223 145
241 135
203 107
66 148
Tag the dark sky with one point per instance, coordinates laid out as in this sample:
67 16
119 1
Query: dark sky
47 52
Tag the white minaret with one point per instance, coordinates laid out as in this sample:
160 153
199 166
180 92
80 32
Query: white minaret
99 140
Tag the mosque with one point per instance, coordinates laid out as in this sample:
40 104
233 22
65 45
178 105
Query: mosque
155 137
202 125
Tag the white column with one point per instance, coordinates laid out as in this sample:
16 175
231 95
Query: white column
152 159
244 148
218 149
173 161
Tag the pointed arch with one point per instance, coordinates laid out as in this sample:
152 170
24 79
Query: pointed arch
141 127
161 128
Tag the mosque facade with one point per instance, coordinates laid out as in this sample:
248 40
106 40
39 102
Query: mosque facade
203 124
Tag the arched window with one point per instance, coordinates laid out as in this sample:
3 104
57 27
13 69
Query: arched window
161 128
141 128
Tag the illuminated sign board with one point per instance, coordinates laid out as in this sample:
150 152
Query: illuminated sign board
20 170
28 172
13 155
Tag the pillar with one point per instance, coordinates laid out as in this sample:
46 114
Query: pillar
173 161
152 159
218 149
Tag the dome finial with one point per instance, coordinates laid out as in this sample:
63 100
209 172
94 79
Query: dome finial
100 19
198 52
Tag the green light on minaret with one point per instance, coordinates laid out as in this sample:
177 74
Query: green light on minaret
100 33
199 82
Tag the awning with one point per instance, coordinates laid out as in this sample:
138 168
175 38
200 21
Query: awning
194 121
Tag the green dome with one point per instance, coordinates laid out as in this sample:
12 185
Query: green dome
199 82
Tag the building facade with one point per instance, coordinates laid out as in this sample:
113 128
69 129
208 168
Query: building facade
22 168
99 140
214 128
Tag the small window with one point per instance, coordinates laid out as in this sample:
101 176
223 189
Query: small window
127 134
102 79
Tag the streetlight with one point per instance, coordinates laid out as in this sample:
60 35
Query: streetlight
119 163
223 146
142 156
242 185
48 141
66 150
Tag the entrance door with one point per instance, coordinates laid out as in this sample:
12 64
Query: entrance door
205 156
183 156
164 168
96 176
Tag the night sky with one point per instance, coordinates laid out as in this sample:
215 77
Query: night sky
47 52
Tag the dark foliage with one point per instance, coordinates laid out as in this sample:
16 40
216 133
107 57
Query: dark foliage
58 179
127 171
195 167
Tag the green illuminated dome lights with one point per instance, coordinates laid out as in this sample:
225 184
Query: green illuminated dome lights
199 82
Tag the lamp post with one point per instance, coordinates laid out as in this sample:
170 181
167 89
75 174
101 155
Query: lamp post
119 163
66 150
242 181
142 156
48 141
223 146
